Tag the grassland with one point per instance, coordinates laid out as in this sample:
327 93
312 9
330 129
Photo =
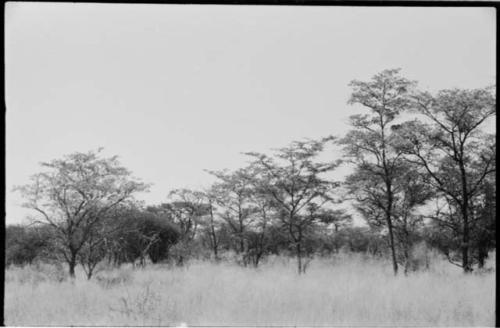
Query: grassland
346 290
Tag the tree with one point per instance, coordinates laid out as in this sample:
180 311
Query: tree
370 147
247 210
264 217
186 209
212 226
136 234
74 194
159 234
454 153
233 193
293 180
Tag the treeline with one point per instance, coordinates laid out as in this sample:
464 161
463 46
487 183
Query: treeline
430 179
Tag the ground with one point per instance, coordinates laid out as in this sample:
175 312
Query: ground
344 290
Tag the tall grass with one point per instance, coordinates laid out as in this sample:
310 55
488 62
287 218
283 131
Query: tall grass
345 290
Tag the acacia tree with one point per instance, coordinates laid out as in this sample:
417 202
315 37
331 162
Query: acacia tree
370 147
453 151
233 193
264 218
293 179
74 194
210 223
187 208
247 210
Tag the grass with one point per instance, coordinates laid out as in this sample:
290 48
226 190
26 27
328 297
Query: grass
345 290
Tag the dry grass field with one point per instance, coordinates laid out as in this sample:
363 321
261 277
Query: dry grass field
346 290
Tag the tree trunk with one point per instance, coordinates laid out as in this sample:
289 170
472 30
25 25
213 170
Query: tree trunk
391 233
72 265
465 211
465 217
299 257
389 195
89 273
216 253
481 256
407 261
240 230
242 243
299 252
213 234
393 249
257 259
465 242
215 246
406 245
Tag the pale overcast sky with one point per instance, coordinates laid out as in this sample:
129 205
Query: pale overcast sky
176 89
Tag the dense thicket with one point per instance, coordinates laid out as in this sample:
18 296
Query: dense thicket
430 180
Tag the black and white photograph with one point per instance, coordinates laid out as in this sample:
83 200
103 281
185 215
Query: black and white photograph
239 165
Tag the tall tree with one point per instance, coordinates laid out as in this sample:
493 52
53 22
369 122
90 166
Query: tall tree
293 179
74 194
450 146
370 146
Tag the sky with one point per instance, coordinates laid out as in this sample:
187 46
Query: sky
178 89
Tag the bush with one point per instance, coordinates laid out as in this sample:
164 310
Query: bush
23 245
37 273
